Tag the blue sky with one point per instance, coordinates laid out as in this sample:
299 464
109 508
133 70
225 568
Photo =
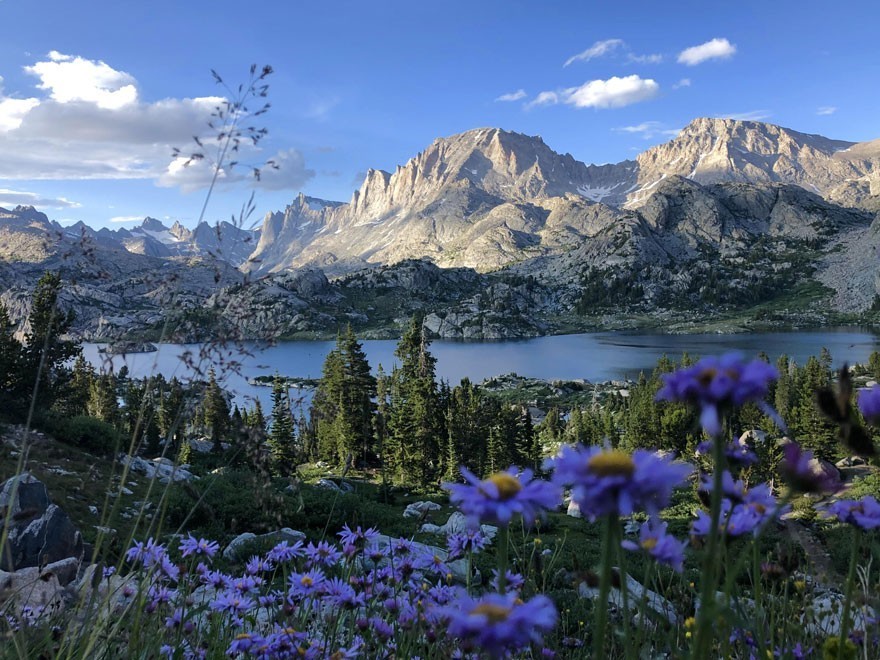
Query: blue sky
95 94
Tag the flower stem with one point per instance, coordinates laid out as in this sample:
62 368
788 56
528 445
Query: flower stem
850 583
503 548
709 576
604 587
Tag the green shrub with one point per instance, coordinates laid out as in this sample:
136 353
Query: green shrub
235 501
86 433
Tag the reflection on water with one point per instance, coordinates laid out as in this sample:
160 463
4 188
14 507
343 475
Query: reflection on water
593 356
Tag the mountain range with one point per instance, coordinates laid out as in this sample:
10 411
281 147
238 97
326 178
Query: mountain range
727 214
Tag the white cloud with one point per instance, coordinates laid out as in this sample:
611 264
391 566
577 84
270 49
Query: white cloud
649 130
715 49
291 173
513 96
826 110
91 124
544 98
598 49
24 198
684 82
126 218
612 93
70 79
752 115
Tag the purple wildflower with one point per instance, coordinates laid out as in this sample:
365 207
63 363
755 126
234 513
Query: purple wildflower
284 552
357 537
322 554
146 552
610 481
864 513
200 547
501 624
805 473
469 541
663 547
715 382
869 403
257 565
304 585
513 581
745 515
231 603
503 495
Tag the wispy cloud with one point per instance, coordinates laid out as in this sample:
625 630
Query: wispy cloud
826 110
513 96
649 130
684 82
598 49
654 58
612 93
752 115
715 49
126 218
24 198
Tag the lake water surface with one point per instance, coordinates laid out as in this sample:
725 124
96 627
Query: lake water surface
597 356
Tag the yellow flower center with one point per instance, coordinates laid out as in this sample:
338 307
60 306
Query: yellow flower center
243 636
306 581
649 544
495 613
613 463
508 485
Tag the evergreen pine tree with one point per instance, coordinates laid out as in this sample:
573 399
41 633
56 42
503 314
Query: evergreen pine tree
215 412
102 402
45 352
11 389
282 451
417 422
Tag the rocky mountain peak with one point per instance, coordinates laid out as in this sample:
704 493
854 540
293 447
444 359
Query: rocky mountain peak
152 224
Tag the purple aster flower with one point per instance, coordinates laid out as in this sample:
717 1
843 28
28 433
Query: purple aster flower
231 603
433 562
341 594
513 581
218 580
257 565
469 541
148 553
805 473
247 584
501 624
244 642
715 382
305 585
748 515
609 481
175 619
663 547
869 403
284 552
108 571
357 537
322 554
160 595
864 513
503 495
201 547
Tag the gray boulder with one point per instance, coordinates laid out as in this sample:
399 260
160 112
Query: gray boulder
39 532
418 509
241 544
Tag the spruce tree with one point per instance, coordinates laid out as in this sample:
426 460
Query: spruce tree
45 350
102 402
282 451
10 363
416 421
215 411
